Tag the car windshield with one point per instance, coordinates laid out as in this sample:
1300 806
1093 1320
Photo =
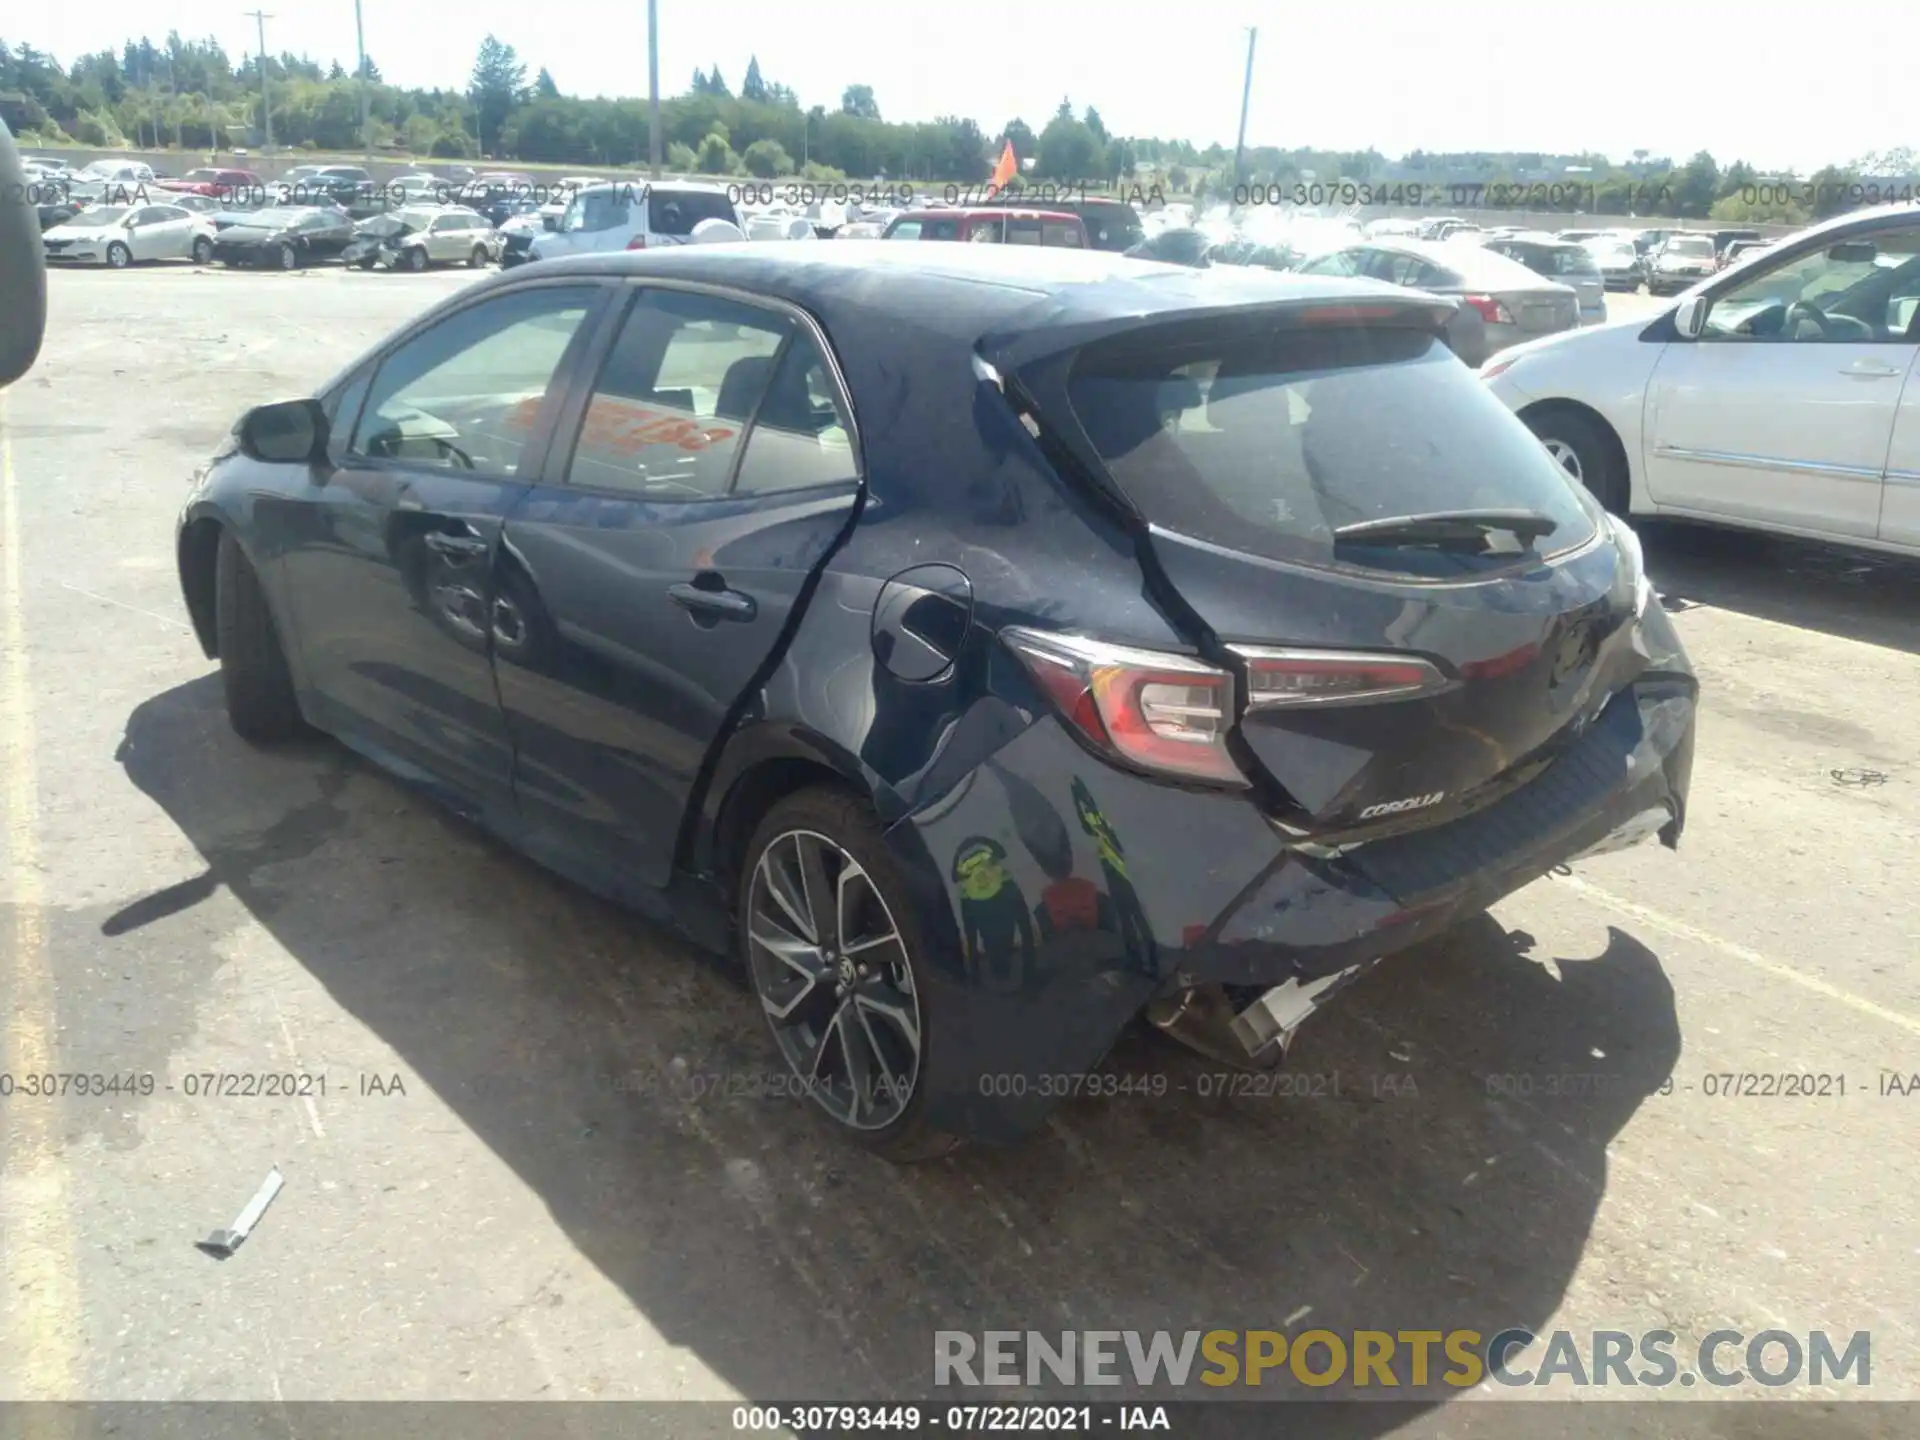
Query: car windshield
1690 245
1268 443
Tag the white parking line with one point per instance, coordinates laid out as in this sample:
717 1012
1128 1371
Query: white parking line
1648 916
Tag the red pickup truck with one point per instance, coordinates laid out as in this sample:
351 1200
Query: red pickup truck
220 184
994 224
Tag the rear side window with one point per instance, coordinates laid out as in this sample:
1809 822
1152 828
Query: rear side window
1112 226
1269 443
676 212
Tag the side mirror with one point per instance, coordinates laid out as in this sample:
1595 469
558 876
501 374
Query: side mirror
1690 318
287 432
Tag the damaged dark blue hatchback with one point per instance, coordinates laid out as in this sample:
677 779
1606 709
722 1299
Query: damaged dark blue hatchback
986 647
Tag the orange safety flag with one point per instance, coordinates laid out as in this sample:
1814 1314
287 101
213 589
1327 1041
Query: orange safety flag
1006 169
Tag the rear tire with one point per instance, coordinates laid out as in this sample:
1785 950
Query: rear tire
842 831
118 256
261 705
289 258
1580 448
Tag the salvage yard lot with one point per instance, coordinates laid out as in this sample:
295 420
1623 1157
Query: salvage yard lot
544 1164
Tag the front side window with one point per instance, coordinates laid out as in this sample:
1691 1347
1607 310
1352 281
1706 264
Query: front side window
682 380
1865 289
465 394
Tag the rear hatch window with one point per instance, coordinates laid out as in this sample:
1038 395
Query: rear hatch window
1268 443
1557 260
676 212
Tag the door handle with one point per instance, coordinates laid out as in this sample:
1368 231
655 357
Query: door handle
466 547
1872 370
721 604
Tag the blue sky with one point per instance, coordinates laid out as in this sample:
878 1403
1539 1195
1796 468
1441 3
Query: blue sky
1744 81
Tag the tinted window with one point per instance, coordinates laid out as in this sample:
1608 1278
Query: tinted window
678 387
676 212
1111 226
1553 259
464 395
941 230
988 230
905 230
1268 443
800 436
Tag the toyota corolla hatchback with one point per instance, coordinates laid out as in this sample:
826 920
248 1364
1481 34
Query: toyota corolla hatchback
986 646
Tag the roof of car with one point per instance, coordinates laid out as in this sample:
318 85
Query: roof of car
1012 212
962 289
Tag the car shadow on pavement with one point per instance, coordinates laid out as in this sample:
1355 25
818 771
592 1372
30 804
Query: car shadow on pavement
1852 594
1437 1165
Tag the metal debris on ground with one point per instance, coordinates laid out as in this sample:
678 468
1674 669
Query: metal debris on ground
222 1243
1858 776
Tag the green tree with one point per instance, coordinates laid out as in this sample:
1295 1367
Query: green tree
1069 151
1025 146
1092 121
1738 179
753 89
682 158
543 86
716 156
718 86
858 101
1696 187
766 160
499 83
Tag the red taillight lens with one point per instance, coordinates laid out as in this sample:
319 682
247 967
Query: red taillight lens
1157 711
1334 677
1491 310
638 242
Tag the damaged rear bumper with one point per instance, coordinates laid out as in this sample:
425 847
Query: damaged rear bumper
1118 895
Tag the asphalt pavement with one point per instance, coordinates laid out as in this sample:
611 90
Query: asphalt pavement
539 1168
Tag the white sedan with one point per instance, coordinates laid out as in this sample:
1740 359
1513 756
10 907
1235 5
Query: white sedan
1782 394
123 235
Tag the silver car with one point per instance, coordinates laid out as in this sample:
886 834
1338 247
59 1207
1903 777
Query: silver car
1502 302
421 236
1567 261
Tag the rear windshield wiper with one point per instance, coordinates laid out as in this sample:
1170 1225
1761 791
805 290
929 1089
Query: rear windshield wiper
1453 527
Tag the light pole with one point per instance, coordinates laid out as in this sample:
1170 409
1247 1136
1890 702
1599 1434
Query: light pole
653 86
1246 95
260 19
366 126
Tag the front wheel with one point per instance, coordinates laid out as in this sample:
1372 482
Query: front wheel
253 665
1581 448
289 258
416 259
202 250
831 941
478 257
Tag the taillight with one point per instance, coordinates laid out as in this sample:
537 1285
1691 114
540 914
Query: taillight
638 242
1278 678
1491 310
1160 712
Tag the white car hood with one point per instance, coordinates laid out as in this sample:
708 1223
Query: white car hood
71 231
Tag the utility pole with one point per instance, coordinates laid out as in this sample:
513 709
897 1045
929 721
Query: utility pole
1246 95
173 104
260 19
653 86
366 125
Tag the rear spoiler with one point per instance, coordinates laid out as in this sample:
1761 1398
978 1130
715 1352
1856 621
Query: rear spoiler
1388 305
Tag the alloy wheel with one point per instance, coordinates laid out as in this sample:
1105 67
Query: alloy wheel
1567 456
832 973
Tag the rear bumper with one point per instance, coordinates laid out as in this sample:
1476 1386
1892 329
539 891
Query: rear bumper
1114 890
